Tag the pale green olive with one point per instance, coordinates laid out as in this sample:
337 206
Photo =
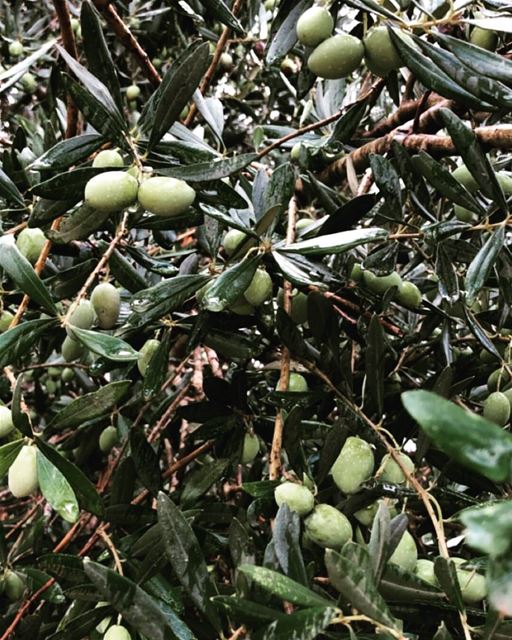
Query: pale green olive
357 272
328 527
260 288
241 307
314 26
71 349
498 379
336 57
106 301
367 515
473 586
30 243
68 374
424 569
108 439
380 284
82 316
166 196
297 383
6 318
146 352
6 423
391 472
13 585
16 49
505 181
409 295
484 38
251 448
463 175
298 497
294 157
380 53
303 223
353 466
232 239
111 191
28 82
226 61
463 214
22 477
117 632
497 408
108 158
299 308
132 92
405 555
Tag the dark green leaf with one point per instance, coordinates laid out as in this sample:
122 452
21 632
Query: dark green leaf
246 611
19 340
56 489
286 541
65 186
374 364
347 124
220 10
68 152
19 417
445 270
336 242
301 625
81 625
146 461
212 170
285 38
63 566
447 577
398 585
480 268
105 345
230 284
79 225
8 454
489 527
9 190
200 480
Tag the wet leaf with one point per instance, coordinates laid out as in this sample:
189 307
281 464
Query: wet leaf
105 345
480 268
56 489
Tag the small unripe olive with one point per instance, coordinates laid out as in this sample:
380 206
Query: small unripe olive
409 295
68 374
294 156
270 4
13 585
380 53
505 181
297 383
226 61
111 191
5 320
260 288
22 477
30 243
314 26
184 112
424 569
298 497
464 176
303 223
353 466
241 307
145 354
367 515
251 448
391 471
328 527
108 158
75 25
117 632
336 57
132 92
299 310
166 196
82 316
28 82
484 38
6 423
463 214
472 585
51 386
380 284
106 301
357 272
16 49
71 349
497 408
232 239
498 379
108 439
406 553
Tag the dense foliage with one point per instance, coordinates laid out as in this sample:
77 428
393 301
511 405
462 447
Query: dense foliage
255 319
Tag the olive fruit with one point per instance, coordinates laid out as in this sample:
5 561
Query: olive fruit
367 514
463 214
380 284
108 439
497 408
67 374
409 295
405 555
226 61
353 466
13 585
5 320
250 449
16 49
380 53
297 383
145 354
299 308
132 92
498 379
259 289
294 156
28 82
166 196
303 223
82 316
106 301
472 585
241 307
117 632
30 243
296 496
108 158
505 181
232 239
314 26
71 349
391 472
22 477
328 527
111 191
463 175
357 272
6 423
424 569
336 57
484 38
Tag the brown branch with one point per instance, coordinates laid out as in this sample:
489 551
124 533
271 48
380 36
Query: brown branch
68 40
125 36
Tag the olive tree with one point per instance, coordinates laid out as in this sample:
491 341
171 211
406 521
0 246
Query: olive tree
255 321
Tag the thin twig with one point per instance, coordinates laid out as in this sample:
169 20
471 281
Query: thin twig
68 40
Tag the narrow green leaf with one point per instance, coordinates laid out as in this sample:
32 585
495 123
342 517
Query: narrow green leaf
81 625
230 284
56 489
8 454
105 345
200 480
63 566
9 190
447 577
399 585
68 152
246 611
212 170
19 417
489 527
374 364
221 11
22 273
158 368
285 37
480 268
79 225
146 461
300 625
66 185
347 124
18 341
336 242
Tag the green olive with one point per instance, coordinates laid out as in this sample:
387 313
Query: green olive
497 380
353 466
16 49
75 25
51 386
108 439
30 243
146 352
111 191
484 38
380 284
260 288
108 158
241 307
497 408
270 4
296 496
132 92
424 569
328 527
314 26
13 585
22 477
463 175
71 349
336 57
463 214
82 316
405 555
357 272
106 301
505 181
251 448
409 295
232 239
299 310
226 61
6 318
6 423
68 374
472 585
391 471
294 157
28 82
166 196
117 632
380 53
297 383
367 515
303 223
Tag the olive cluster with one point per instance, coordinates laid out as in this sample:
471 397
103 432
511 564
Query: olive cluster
463 175
407 293
337 56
